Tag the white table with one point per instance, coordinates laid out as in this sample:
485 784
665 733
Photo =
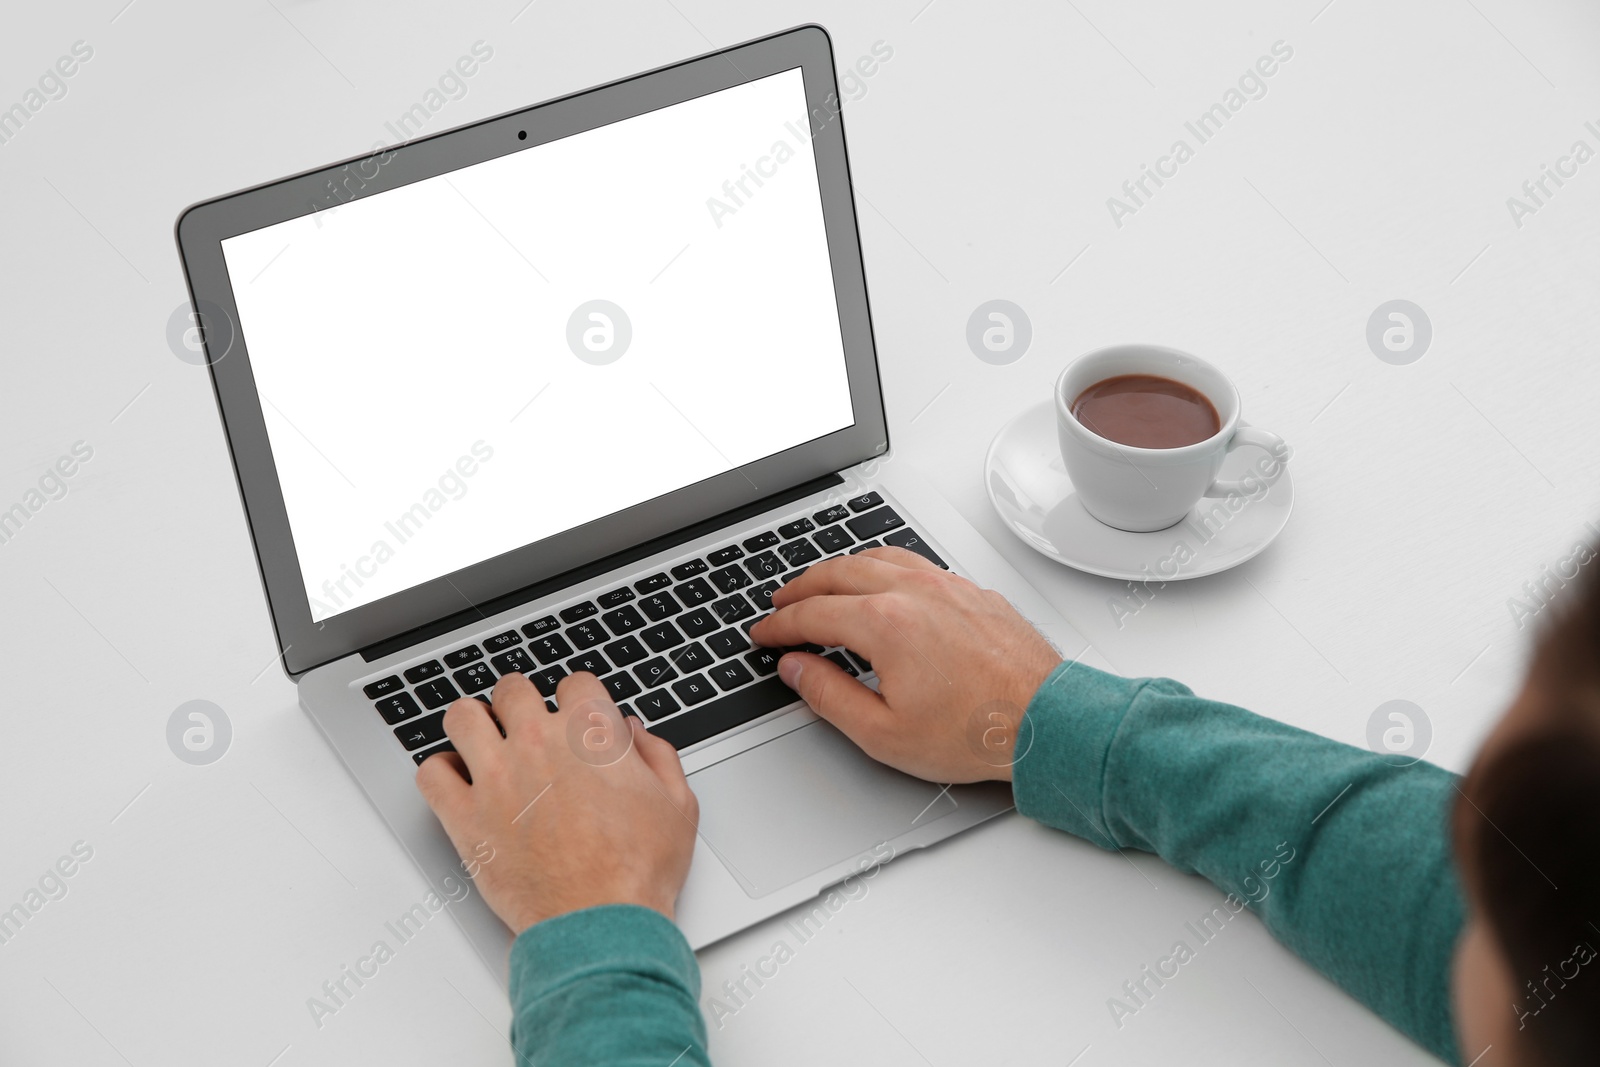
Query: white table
1376 167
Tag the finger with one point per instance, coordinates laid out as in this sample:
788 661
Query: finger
841 576
851 621
516 703
662 759
442 782
473 732
901 557
580 688
852 707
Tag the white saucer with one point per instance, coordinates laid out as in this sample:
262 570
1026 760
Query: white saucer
1029 487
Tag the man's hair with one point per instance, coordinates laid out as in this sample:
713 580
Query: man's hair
1529 832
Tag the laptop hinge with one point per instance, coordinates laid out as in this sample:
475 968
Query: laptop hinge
555 584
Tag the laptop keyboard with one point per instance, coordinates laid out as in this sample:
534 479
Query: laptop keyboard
672 648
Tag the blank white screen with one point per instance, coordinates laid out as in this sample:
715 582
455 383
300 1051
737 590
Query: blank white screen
400 338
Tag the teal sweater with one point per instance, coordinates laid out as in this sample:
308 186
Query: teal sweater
1345 859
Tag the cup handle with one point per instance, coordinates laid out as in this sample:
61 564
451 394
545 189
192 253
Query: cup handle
1250 435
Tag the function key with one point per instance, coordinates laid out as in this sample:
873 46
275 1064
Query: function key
833 539
724 555
837 513
796 528
398 708
689 569
861 503
910 539
383 687
652 583
578 611
437 693
423 671
760 541
540 627
874 523
463 656
501 642
615 597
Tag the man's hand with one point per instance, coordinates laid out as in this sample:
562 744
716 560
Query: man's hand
567 810
956 664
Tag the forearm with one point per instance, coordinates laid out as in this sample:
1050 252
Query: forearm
616 985
1344 857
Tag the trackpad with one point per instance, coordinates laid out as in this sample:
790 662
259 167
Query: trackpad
803 802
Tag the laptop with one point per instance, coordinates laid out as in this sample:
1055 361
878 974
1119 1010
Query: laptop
577 388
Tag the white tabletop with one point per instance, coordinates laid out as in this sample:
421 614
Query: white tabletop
1377 166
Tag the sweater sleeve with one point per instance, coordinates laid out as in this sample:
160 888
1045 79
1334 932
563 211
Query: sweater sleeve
616 984
1344 856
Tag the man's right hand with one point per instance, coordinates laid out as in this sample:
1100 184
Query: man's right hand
956 664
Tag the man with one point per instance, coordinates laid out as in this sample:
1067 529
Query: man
1370 895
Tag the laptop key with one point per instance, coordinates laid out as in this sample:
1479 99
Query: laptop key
550 648
910 539
730 674
861 503
657 705
693 690
696 591
689 569
463 656
838 660
654 672
384 687
540 627
718 716
418 757
749 624
423 671
415 735
799 552
724 555
728 579
652 583
578 611
593 662
761 595
866 545
760 541
625 619
691 658
837 513
659 605
794 529
437 693
628 650
587 634
763 566
615 597
833 539
727 643
546 679
874 523
621 685
699 621
475 678
764 661
732 609
860 661
398 708
501 642
661 636
516 661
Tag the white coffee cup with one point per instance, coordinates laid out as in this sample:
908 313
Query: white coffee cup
1143 489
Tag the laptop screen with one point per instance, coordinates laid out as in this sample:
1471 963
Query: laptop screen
470 363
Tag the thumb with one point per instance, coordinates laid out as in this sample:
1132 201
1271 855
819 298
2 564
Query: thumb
834 695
